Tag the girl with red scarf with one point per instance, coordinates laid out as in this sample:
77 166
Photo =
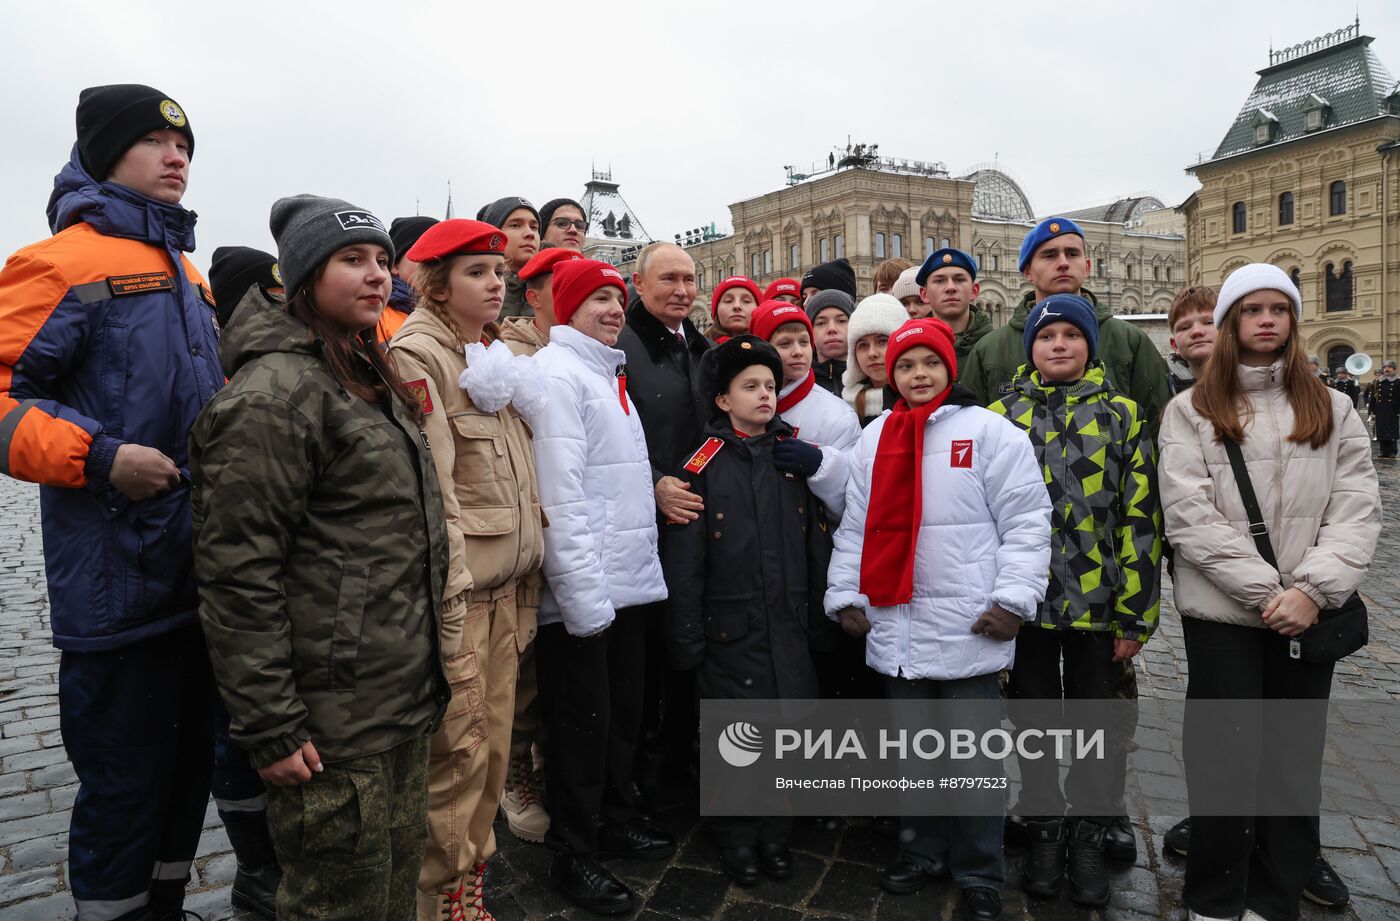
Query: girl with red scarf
942 554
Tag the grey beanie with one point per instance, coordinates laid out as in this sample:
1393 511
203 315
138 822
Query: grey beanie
831 297
309 228
496 213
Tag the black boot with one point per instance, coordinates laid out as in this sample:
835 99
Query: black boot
589 886
1088 871
1120 842
1044 872
255 881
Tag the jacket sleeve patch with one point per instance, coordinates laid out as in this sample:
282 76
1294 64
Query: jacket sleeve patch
419 389
704 455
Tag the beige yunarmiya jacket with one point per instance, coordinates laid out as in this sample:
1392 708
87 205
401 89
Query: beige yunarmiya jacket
1322 506
486 466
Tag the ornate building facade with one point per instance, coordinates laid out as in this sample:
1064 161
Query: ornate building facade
1308 178
881 209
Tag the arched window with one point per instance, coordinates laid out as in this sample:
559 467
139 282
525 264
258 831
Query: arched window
699 277
840 245
824 250
1338 197
1337 356
1339 287
928 247
1128 270
794 256
879 246
1239 216
1296 277
897 246
1285 208
944 244
753 265
767 262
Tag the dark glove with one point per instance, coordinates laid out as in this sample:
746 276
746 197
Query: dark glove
793 455
998 623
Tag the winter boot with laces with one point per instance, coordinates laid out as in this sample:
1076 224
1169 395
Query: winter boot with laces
1044 872
461 904
1088 870
520 802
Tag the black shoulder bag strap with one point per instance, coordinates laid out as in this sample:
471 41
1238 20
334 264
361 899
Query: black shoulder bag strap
1257 529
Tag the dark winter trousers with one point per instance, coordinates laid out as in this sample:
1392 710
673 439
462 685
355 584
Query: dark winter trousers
670 727
591 693
351 839
1257 862
137 726
969 845
1089 674
237 787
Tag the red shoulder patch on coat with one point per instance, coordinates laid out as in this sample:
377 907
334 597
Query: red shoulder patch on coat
419 389
700 458
962 454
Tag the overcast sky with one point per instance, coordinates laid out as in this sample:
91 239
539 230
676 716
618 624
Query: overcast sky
693 105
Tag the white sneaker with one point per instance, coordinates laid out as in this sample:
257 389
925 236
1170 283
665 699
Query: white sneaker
520 804
1194 916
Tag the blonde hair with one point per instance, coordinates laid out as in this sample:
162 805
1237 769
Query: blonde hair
436 276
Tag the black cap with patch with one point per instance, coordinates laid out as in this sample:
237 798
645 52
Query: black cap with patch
111 118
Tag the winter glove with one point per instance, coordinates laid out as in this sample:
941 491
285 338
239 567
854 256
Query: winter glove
454 612
792 455
854 621
997 623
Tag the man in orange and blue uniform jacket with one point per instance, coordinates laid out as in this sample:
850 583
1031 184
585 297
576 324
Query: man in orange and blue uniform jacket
108 351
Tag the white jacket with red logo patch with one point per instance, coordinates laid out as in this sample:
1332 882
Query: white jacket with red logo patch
827 421
984 538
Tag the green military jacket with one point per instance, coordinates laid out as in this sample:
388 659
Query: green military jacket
1106 524
320 551
979 323
1134 366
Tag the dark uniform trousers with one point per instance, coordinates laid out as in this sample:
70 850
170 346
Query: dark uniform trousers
1089 674
351 839
137 726
591 693
1257 862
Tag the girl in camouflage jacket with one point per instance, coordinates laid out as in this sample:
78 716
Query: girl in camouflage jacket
1102 601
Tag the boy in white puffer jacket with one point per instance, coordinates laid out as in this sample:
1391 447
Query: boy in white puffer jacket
942 554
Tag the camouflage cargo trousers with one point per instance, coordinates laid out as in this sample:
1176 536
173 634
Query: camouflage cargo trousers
350 840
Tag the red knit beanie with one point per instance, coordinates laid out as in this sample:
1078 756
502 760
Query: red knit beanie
770 315
574 280
733 281
929 331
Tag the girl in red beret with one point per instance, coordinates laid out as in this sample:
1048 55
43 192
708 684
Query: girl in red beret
731 306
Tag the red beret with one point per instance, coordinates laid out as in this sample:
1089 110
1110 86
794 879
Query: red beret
733 281
928 331
542 263
575 279
788 286
457 238
772 314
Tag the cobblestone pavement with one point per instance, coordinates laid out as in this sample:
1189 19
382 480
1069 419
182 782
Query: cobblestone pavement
836 870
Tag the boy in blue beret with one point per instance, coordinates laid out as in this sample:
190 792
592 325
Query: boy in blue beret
948 278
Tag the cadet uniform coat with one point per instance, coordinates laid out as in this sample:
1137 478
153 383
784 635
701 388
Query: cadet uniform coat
746 577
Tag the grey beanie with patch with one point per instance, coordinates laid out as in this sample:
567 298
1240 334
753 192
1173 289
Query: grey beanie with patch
309 229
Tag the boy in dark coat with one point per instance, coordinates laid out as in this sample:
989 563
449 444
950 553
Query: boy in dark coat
746 579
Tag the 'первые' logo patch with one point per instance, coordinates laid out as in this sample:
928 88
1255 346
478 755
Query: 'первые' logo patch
741 744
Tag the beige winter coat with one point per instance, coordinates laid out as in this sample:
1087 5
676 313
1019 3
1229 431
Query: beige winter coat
522 336
1322 507
486 466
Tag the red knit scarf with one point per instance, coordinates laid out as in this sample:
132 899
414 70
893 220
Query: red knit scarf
799 393
893 515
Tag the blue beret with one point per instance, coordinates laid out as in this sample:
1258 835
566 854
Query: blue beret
945 257
1070 308
1046 230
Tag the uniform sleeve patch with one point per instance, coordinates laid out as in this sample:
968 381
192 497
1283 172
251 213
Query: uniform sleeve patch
700 458
419 389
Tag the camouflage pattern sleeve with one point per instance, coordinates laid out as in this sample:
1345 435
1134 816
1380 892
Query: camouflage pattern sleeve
254 460
1138 603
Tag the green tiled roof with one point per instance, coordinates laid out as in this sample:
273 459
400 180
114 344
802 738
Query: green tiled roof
1347 76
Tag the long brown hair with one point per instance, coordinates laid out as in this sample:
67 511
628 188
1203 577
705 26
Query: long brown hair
1217 396
363 370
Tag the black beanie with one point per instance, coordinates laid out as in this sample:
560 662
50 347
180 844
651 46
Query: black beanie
496 213
726 361
234 270
834 275
553 205
405 231
112 118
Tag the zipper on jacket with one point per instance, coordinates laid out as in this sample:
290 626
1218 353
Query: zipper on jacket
622 389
